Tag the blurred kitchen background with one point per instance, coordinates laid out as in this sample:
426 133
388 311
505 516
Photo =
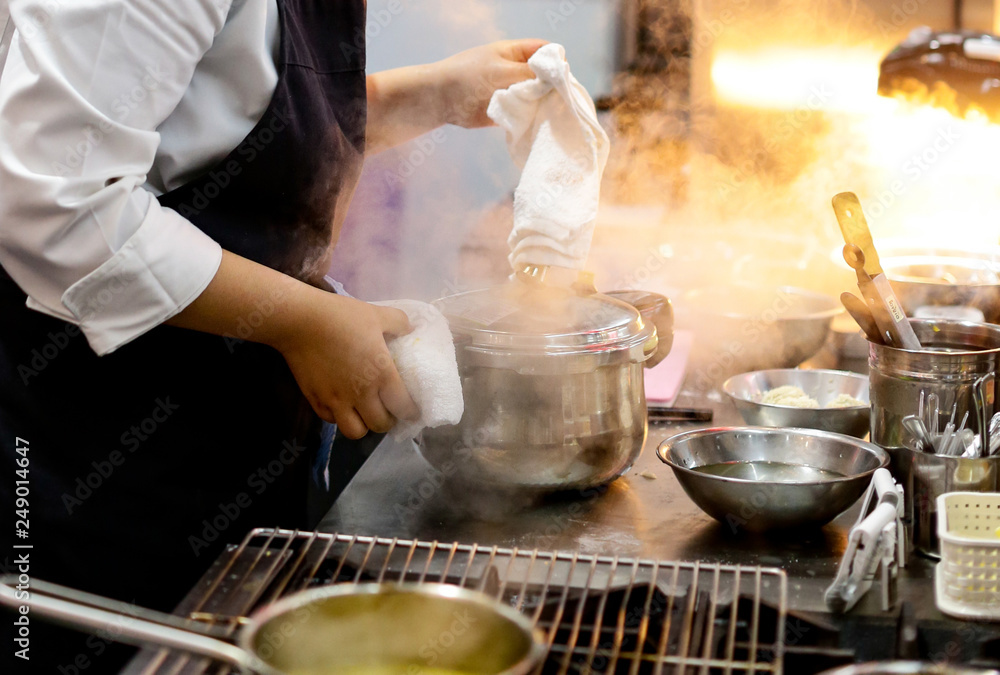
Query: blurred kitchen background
733 123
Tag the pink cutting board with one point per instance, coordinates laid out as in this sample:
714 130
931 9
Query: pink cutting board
663 382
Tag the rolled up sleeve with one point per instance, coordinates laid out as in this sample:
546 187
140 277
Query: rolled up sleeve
160 270
86 85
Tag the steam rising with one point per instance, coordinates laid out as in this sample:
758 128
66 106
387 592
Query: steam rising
416 203
731 132
783 114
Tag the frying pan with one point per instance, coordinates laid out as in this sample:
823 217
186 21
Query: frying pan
340 628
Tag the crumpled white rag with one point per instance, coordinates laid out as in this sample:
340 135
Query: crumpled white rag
554 136
425 359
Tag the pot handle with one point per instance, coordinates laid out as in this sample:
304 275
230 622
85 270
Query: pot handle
136 626
654 308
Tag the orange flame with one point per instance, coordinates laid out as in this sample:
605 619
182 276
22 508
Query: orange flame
928 177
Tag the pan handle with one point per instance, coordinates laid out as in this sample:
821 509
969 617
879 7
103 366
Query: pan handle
656 309
136 626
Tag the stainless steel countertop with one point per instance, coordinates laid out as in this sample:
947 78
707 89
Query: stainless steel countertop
397 494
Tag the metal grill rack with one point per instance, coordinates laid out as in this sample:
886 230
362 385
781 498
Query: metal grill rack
599 614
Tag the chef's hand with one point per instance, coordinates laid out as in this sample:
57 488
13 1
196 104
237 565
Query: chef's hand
406 102
342 364
471 77
334 345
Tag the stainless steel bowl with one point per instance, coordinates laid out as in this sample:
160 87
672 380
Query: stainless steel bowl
746 327
764 478
941 277
747 389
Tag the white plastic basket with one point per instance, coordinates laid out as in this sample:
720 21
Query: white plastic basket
967 580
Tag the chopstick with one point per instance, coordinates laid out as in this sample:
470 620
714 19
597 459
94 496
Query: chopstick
664 414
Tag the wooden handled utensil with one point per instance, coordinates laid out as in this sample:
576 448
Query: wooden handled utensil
858 310
888 325
854 227
860 254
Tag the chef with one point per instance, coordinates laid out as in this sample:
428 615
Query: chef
173 177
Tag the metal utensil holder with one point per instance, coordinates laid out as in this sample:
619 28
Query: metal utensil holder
959 364
925 477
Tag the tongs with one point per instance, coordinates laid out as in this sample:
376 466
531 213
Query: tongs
955 441
859 252
877 539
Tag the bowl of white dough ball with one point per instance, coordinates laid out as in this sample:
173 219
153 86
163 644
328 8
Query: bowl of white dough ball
830 400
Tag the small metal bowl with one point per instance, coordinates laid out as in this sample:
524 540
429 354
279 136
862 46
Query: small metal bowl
747 389
764 478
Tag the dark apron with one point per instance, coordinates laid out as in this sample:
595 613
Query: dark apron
144 463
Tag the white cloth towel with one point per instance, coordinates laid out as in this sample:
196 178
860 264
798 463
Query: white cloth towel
554 136
425 359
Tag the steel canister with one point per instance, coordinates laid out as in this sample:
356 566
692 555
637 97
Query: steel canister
959 364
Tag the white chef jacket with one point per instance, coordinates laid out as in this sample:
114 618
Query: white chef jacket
105 104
